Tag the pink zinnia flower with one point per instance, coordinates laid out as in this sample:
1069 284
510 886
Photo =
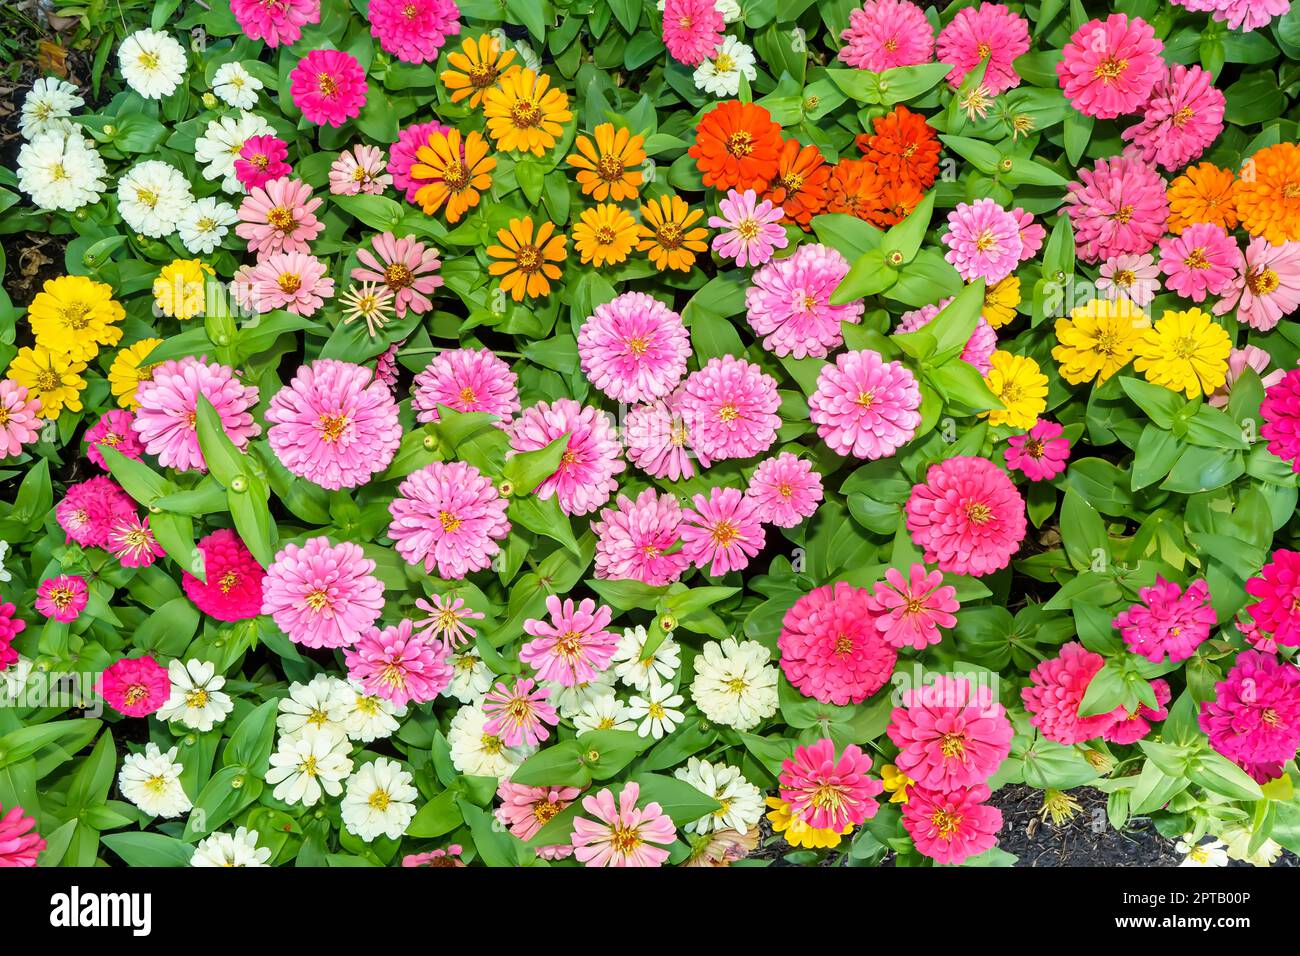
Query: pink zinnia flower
828 793
637 540
1032 233
585 478
722 531
634 348
864 406
261 160
450 517
232 590
730 406
1110 66
884 34
19 423
967 516
136 687
789 303
1254 719
413 30
692 30
990 31
446 620
20 844
1266 286
359 171
1200 261
983 240
1281 412
114 431
1276 610
322 595
10 627
275 21
750 231
401 156
1244 15
329 86
397 665
1239 360
334 424
1181 120
950 734
784 490
449 857
831 648
1041 453
132 543
407 267
951 827
622 835
1117 207
294 281
90 509
1168 621
386 369
910 610
1134 277
519 714
62 598
165 420
1057 690
525 810
979 348
1129 728
279 217
658 439
574 645
466 380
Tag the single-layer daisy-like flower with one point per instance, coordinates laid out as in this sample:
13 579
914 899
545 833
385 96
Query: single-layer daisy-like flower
1203 193
635 668
450 172
735 683
232 585
722 532
61 170
519 714
637 540
402 156
730 406
750 230
989 32
1020 386
279 23
1239 360
475 67
166 419
196 699
865 406
607 163
692 30
525 113
359 171
1210 853
446 621
398 665
1129 276
1254 719
722 69
657 711
527 263
1098 339
322 595
796 830
1168 621
737 146
132 542
76 316
789 303
910 610
785 490
1117 207
585 478
603 712
574 645
1266 286
309 765
238 849
604 235
983 240
52 379
279 217
634 348
136 687
667 236
622 835
1276 590
1057 689
1111 66
884 34
235 86
950 734
831 648
62 598
1181 119
450 858
466 380
20 424
152 781
152 63
449 517
967 516
476 752
525 810
407 267
827 792
1267 194
952 826
1184 352
1199 262
329 86
413 30
1040 454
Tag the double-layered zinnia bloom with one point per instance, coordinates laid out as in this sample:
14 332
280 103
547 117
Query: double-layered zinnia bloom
232 585
884 34
76 316
329 86
279 217
1020 386
826 792
20 421
784 490
136 687
865 406
448 517
1110 66
950 734
967 516
585 478
951 826
737 146
1056 692
1098 339
789 303
322 595
413 30
398 665
989 32
722 531
634 348
831 647
1267 195
1169 622
1254 719
166 419
1276 590
910 610
730 408
466 380
637 540
20 843
1185 352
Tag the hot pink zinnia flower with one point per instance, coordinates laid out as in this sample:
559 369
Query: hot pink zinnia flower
991 31
525 810
884 34
983 240
950 734
979 348
730 406
1129 728
1110 66
413 30
1041 453
294 281
864 406
519 714
233 589
275 21
1168 621
967 516
1254 718
407 267
784 490
132 543
322 595
1181 120
401 156
114 431
1057 691
165 420
261 160
658 439
399 666
635 540
90 509
828 793
279 217
1200 261
136 687
909 611
62 598
722 531
622 835
951 827
19 423
789 303
692 30
1134 277
634 348
574 645
446 620
749 230
1239 360
1117 207
585 478
1281 412
1266 286
1276 610
831 648
334 424
20 844
329 86
466 380
359 171
10 627
450 517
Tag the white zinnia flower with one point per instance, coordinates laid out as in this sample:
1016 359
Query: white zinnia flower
5 576
734 684
153 197
742 802
1211 853
61 170
634 670
197 699
380 800
236 86
606 712
522 50
720 74
231 849
205 224
657 711
13 679
471 678
370 717
322 704
309 763
481 754
47 107
219 146
152 781
153 63
569 701
1237 837
730 9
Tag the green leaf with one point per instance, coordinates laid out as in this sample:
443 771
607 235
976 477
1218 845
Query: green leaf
682 802
529 469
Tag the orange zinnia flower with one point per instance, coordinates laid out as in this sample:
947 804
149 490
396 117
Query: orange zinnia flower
897 201
605 234
527 263
605 166
799 186
1268 194
1203 193
737 146
457 171
474 68
854 189
904 148
667 235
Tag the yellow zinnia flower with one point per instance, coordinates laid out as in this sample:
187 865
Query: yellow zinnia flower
129 369
75 315
527 263
1000 302
798 833
181 288
1185 352
666 234
604 235
474 68
896 783
1098 338
53 378
459 169
604 166
1020 385
523 114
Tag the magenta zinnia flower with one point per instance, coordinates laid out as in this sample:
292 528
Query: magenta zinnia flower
132 543
519 714
574 645
232 590
322 595
1254 719
136 687
1117 207
692 30
979 348
967 516
722 531
730 406
1266 286
19 422
784 490
407 267
1181 120
20 843
359 171
658 439
466 380
1057 690
950 827
278 22
279 217
884 34
1041 453
525 810
637 540
329 86
397 665
448 516
950 734
165 420
983 240
91 508
1110 66
413 30
10 627
261 160
62 598
789 303
829 793
864 406
401 156
1276 589
1168 621
114 431
831 648
585 479
1281 413
1200 261
749 230
990 31
910 610
1129 728
634 348
622 835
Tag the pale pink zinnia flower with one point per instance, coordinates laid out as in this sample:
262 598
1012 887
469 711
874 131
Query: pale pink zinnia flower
785 490
989 31
322 595
635 540
1266 287
910 610
622 835
132 543
398 665
1200 261
574 645
730 406
950 733
113 430
1117 207
525 810
865 406
1032 233
293 281
278 22
448 516
658 439
446 620
1182 119
826 792
749 230
1110 66
165 420
585 479
1041 453
789 303
407 267
279 217
981 345
359 171
722 532
62 598
19 422
1253 357
401 156
692 30
329 86
634 348
967 517
261 160
1134 277
885 34
466 380
983 240
413 30
1243 15
519 714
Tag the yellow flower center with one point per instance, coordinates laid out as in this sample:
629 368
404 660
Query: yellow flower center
1110 69
332 426
448 521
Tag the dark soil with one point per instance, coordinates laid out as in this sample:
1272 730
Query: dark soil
1086 839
